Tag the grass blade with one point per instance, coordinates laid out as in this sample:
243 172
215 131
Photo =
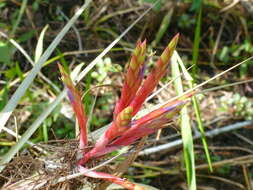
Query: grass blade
195 54
163 27
20 14
196 110
39 46
185 129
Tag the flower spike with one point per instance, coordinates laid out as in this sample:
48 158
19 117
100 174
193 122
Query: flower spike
155 76
133 77
76 103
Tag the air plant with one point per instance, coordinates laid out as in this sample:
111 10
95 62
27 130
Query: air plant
124 130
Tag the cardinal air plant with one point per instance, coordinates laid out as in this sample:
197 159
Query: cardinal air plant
124 130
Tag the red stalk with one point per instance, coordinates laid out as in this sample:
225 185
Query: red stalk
110 178
76 103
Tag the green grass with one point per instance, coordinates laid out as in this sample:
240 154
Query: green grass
186 131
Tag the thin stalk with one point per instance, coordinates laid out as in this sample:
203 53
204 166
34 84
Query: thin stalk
201 128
